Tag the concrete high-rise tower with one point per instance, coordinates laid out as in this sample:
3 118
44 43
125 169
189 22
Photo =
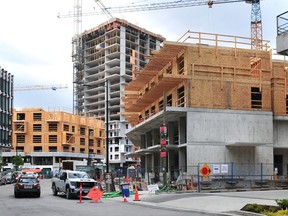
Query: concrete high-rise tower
104 58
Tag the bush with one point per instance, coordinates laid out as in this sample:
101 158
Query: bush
277 213
282 203
263 209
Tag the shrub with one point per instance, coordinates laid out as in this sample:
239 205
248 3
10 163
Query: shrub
282 203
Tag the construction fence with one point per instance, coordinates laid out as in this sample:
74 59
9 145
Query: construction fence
206 176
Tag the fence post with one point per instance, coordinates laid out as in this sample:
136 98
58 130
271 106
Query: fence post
261 170
198 176
232 170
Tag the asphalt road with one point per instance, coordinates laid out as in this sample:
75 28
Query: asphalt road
49 205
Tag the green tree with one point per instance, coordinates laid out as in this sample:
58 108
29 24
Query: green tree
17 161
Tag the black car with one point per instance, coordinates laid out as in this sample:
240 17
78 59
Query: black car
28 185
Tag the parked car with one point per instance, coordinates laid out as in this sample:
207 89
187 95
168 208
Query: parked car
6 179
28 185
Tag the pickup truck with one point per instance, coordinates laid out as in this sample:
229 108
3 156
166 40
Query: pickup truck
68 182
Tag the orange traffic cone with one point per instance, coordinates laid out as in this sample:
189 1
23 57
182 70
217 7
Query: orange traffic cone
136 198
125 200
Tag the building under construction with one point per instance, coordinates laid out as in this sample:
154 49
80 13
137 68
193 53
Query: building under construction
102 60
45 138
224 105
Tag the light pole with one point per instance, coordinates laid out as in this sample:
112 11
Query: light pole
107 127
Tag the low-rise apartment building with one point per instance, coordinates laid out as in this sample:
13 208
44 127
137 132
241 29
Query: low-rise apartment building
45 138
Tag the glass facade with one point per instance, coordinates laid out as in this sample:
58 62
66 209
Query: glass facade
6 108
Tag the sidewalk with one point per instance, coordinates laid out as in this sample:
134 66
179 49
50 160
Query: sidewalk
222 203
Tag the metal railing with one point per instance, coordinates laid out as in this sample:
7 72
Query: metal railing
282 23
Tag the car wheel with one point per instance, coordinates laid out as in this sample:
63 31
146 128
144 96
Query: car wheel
16 195
38 194
54 189
68 194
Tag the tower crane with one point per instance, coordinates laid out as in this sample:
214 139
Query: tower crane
256 20
41 87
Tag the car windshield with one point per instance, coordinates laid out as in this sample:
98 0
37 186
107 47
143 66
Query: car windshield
28 180
78 175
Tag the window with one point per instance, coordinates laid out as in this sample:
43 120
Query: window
52 127
127 126
160 105
82 141
21 116
116 157
37 127
52 138
169 100
256 98
70 138
52 148
66 127
37 116
37 149
91 142
37 139
153 110
73 128
82 131
98 152
20 139
146 114
181 97
116 149
20 127
82 150
99 143
91 132
111 149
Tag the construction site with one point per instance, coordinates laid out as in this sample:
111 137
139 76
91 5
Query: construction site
211 107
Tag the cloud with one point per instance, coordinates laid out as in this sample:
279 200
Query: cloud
13 54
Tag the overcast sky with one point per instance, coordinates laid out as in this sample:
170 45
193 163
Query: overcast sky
35 45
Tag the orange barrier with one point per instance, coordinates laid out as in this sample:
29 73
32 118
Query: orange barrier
136 198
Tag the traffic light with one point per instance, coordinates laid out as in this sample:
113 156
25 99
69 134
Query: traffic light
163 135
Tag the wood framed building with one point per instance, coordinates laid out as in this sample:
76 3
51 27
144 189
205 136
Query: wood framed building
225 103
45 138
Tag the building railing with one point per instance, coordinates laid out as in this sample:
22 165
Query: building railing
210 39
282 23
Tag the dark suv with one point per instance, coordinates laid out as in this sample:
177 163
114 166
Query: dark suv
28 185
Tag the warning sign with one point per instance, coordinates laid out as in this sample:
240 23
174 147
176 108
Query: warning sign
205 170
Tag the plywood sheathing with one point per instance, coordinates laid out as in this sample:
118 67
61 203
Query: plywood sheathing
221 77
279 87
225 81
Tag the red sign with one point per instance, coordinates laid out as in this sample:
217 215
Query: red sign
163 154
205 170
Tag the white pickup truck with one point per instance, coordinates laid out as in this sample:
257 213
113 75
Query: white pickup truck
69 182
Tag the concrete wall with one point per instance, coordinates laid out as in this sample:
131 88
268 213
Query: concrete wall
229 136
280 130
282 44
